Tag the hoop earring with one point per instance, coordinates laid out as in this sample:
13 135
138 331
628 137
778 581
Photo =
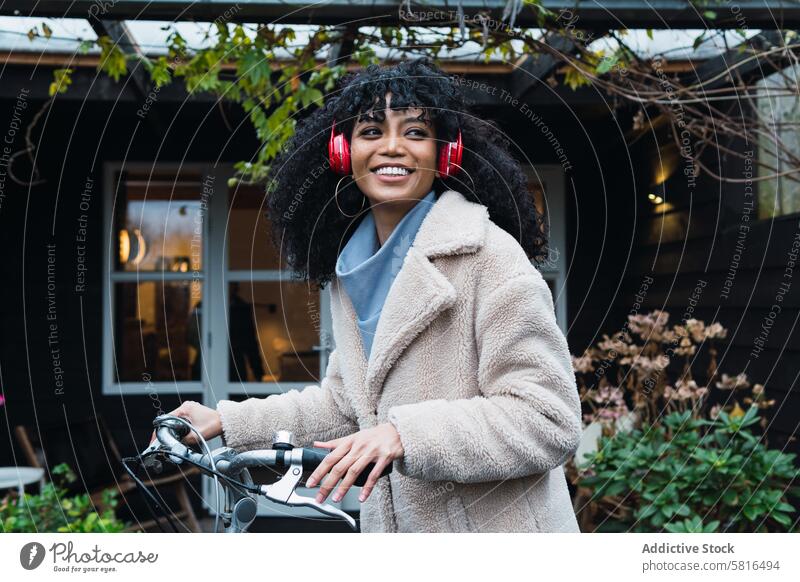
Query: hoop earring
336 198
456 177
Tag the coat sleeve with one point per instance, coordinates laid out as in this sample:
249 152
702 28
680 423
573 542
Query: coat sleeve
527 419
318 412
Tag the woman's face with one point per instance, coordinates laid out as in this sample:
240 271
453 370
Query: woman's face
393 155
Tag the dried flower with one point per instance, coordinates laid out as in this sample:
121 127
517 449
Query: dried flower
649 366
610 405
582 364
715 330
727 382
649 327
685 390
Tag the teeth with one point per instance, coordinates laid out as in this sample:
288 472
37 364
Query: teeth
392 171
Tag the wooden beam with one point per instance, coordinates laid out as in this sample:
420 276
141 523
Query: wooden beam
590 14
88 85
72 60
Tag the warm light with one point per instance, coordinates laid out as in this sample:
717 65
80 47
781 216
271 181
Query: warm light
655 199
139 246
180 265
665 164
663 174
124 246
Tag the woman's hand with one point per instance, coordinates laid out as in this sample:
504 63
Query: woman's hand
351 454
206 420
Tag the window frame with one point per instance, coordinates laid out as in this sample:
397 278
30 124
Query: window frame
111 387
763 94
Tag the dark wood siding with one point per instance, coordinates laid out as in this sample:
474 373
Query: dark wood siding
712 234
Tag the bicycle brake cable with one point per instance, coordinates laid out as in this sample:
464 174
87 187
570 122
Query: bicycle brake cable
255 489
145 492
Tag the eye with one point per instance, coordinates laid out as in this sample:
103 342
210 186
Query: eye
417 132
370 131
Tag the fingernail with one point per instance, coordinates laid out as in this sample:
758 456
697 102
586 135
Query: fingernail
337 497
310 483
362 497
319 498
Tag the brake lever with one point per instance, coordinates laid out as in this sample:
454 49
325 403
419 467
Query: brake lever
283 490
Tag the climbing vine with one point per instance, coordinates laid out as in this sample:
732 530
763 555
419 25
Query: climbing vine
274 74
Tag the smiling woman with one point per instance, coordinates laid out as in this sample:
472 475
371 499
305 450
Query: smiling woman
367 109
449 362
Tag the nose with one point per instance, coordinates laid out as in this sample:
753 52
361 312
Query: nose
392 145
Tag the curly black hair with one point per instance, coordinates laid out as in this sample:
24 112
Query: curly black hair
308 226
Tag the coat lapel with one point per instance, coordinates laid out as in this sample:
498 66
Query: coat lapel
419 293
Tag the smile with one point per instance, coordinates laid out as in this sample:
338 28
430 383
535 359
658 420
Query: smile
393 171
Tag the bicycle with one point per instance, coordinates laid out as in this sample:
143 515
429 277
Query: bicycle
232 468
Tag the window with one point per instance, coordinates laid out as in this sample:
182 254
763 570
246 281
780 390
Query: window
779 195
155 256
197 297
274 321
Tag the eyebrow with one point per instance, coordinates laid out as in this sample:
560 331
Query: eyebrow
412 119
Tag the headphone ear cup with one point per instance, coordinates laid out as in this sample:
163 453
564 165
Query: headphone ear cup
450 157
339 152
457 154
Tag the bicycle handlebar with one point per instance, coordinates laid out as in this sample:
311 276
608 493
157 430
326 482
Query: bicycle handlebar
233 467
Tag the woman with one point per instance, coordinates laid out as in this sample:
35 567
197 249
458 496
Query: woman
448 361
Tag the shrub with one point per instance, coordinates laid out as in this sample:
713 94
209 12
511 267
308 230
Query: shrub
668 459
53 511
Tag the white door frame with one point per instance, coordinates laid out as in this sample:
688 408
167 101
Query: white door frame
553 181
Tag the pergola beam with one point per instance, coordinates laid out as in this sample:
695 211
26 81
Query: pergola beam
584 14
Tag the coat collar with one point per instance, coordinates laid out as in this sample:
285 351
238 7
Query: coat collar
419 293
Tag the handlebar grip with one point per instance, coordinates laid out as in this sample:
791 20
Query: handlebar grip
312 460
180 429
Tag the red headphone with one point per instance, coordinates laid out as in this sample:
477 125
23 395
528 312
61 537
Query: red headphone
339 155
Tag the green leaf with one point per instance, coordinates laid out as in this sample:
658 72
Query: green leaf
606 64
85 46
782 518
647 511
750 512
730 497
112 60
62 79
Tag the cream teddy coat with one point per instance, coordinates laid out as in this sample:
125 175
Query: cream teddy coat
472 370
